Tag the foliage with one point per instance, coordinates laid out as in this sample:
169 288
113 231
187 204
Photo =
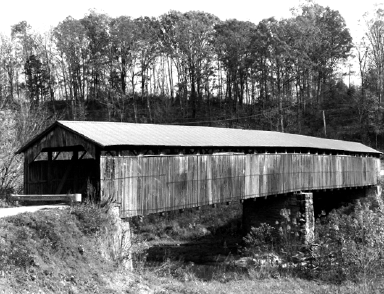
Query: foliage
194 68
351 246
91 218
284 239
260 239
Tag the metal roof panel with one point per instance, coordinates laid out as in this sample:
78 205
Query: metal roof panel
116 133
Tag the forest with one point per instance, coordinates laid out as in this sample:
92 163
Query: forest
289 75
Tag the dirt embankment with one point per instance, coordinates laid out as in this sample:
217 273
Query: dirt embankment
60 251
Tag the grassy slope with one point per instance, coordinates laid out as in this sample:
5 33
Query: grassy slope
56 252
63 252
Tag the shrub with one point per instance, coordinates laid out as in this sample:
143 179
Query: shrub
259 240
283 239
351 246
91 217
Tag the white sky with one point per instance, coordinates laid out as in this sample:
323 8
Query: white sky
43 14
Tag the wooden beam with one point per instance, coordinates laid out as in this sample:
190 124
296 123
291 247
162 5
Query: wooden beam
47 197
26 175
57 155
75 157
82 155
49 172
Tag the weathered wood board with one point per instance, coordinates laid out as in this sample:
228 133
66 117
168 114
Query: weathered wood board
151 184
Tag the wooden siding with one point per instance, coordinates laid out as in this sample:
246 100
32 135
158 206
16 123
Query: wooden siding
144 185
57 138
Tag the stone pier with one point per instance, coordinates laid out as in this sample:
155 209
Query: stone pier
118 240
293 209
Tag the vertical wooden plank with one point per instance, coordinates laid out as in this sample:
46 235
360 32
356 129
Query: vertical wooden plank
134 173
264 169
193 168
312 172
339 176
214 180
295 175
128 199
139 186
181 179
161 184
242 179
239 186
209 182
120 175
306 174
248 177
170 186
280 170
272 172
288 172
201 179
303 166
171 179
147 179
124 190
233 164
255 175
26 175
260 173
103 173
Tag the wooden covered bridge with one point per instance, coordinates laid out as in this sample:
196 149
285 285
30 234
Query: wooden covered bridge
154 168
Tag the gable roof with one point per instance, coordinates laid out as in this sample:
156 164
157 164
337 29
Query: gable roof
104 134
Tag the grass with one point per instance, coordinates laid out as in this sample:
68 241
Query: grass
188 283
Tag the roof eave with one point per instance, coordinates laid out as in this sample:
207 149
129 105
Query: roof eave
36 138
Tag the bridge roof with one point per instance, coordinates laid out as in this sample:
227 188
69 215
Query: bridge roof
105 134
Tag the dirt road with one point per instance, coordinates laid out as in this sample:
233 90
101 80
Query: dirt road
4 212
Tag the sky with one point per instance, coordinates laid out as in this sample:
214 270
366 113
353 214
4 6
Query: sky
44 14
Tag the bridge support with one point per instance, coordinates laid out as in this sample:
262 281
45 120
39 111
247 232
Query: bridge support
118 243
282 210
298 210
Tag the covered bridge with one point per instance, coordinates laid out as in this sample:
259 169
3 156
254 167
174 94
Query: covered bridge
150 168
